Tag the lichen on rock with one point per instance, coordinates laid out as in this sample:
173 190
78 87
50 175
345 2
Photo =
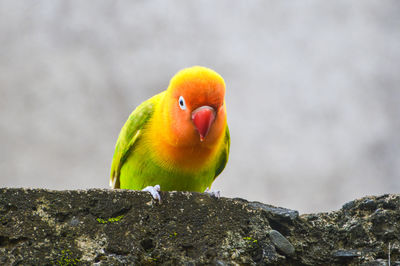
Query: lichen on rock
120 227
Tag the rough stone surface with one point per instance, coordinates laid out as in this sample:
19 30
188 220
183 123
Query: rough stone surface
78 227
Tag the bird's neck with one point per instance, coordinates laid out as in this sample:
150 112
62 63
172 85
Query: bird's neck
183 157
187 154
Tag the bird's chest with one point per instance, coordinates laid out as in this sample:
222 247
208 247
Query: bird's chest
143 169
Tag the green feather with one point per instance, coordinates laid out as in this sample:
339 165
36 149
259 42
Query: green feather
129 136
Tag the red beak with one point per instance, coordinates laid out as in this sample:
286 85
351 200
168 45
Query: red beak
203 117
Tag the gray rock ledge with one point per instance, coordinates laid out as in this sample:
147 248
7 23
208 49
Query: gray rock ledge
120 227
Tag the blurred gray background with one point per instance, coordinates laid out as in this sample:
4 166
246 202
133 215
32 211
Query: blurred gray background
313 91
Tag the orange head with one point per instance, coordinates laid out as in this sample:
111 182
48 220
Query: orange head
194 105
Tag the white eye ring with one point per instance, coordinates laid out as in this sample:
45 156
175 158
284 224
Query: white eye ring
182 103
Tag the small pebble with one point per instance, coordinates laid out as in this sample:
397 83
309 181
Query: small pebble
281 242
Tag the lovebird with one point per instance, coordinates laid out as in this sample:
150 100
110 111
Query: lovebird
178 139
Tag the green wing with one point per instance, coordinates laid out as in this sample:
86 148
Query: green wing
129 135
223 158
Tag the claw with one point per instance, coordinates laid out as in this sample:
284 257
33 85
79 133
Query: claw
215 194
154 192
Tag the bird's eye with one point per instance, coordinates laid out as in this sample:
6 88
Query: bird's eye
182 103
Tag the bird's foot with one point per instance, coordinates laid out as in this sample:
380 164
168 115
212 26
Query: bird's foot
154 192
215 194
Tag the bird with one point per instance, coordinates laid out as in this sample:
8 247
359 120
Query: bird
178 140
